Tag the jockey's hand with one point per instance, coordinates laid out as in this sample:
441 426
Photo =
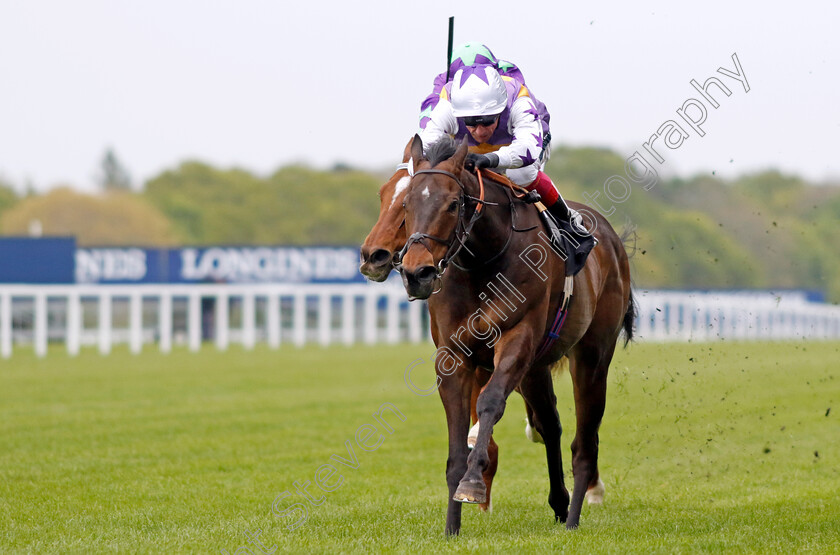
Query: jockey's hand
479 161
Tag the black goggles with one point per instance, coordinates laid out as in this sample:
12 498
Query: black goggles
475 121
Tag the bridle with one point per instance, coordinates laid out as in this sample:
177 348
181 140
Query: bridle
462 230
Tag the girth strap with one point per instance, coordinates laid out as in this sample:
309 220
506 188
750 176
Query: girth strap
553 332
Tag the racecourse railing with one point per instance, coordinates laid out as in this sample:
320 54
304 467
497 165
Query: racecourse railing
738 315
102 316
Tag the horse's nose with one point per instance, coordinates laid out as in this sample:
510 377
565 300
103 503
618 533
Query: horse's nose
424 274
376 264
419 283
379 257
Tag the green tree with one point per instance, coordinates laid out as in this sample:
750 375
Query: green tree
101 220
8 196
296 205
761 230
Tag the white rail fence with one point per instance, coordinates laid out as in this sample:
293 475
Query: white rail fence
140 315
102 316
745 315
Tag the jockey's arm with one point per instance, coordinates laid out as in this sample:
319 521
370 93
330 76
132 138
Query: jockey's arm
527 136
431 101
442 122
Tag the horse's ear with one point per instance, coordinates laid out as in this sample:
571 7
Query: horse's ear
407 151
460 154
417 150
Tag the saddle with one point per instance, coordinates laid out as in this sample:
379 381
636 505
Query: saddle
574 245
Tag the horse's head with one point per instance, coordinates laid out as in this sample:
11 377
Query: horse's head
388 234
434 215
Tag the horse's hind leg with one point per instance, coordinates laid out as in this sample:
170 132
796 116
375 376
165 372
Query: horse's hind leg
489 473
589 366
538 391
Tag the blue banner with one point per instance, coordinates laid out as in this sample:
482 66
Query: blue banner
219 265
37 260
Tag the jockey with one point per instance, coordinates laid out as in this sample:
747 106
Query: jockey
469 54
502 124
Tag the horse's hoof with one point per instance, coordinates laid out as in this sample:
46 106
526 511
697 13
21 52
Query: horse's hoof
471 492
595 494
486 507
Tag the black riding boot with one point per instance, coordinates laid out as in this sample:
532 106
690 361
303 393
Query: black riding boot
571 222
562 213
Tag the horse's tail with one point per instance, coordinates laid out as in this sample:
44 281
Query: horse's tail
628 239
629 319
560 366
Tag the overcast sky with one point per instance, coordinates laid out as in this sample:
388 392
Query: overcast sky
260 84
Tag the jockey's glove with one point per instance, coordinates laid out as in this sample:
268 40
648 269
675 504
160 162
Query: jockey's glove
479 161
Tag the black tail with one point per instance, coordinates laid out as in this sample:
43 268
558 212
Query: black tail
629 319
628 239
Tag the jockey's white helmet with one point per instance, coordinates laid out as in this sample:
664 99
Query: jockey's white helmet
478 91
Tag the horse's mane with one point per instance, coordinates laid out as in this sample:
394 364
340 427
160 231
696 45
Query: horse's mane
442 149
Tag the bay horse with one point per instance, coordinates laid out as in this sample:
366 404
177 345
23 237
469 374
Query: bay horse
387 236
384 241
464 241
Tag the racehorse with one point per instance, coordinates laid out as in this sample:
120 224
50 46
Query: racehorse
385 239
388 234
494 285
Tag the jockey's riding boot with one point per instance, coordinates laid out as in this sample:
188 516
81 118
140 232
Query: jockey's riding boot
577 248
557 207
562 211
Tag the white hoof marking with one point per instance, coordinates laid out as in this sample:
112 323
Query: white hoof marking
595 494
472 436
531 433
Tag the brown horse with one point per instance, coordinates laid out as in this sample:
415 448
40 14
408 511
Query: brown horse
388 234
499 285
385 240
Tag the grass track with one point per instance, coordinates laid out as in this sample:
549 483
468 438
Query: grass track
704 447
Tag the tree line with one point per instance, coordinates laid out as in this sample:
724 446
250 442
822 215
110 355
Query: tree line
767 229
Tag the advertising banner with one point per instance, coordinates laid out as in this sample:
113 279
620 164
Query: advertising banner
219 265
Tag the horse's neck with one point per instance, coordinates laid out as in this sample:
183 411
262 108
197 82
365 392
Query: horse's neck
492 230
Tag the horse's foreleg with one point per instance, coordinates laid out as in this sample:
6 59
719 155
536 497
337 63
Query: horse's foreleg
513 352
538 390
455 390
482 376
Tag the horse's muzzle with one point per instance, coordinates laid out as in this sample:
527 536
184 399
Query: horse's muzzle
376 264
420 283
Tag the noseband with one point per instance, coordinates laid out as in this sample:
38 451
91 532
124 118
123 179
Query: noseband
459 242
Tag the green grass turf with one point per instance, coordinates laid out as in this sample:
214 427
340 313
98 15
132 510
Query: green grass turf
704 447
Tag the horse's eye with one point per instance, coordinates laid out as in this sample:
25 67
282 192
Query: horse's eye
403 204
453 206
